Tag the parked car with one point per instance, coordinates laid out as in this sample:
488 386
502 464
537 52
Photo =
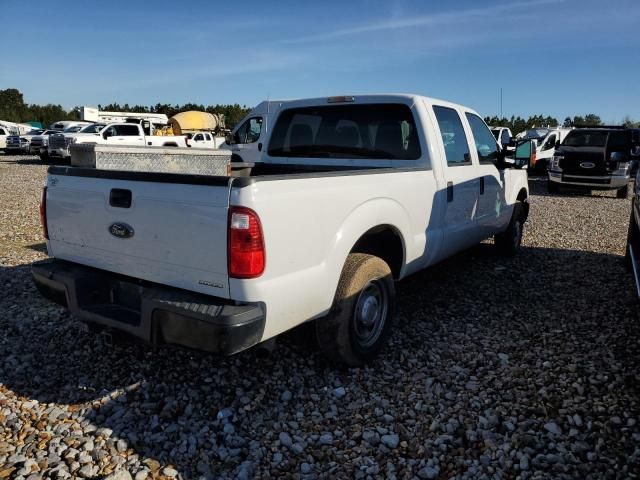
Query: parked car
503 135
546 139
124 134
632 256
224 263
4 133
39 144
595 158
17 144
248 138
204 140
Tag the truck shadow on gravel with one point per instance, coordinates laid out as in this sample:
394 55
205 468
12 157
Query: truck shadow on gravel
207 415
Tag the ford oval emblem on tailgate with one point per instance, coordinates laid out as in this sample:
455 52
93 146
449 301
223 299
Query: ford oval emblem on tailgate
121 230
587 165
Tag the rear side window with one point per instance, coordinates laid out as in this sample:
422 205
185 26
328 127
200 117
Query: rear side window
456 147
127 130
485 142
382 131
2 132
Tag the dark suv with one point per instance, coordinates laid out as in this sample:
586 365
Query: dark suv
596 158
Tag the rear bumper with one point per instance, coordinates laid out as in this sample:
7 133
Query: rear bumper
151 312
605 182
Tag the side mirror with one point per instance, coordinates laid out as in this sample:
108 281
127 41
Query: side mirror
229 139
557 143
105 135
524 154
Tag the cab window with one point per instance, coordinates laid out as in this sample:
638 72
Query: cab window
485 142
198 138
127 130
456 147
249 131
550 143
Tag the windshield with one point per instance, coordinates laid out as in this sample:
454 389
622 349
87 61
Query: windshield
383 131
95 128
536 133
34 132
586 138
496 132
72 129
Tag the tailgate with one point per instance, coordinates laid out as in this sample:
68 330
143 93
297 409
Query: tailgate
164 228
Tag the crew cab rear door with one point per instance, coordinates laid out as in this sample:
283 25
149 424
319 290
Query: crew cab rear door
165 228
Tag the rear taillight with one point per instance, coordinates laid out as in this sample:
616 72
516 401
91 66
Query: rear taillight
43 213
246 244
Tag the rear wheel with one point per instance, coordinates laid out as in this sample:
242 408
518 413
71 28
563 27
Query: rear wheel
44 157
623 192
508 242
360 319
552 187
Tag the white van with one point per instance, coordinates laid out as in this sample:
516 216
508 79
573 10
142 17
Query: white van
247 139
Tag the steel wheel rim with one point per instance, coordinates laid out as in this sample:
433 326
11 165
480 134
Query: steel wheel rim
370 313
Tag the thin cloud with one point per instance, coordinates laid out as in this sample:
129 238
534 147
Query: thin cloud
420 21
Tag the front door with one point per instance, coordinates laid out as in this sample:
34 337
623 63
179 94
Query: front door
247 143
491 204
462 183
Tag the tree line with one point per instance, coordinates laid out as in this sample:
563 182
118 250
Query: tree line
14 109
519 124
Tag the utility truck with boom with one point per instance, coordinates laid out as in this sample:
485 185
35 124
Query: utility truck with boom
351 194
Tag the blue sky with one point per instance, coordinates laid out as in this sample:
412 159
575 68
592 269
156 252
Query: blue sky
558 57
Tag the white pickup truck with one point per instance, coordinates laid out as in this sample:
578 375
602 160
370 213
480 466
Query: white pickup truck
351 194
125 134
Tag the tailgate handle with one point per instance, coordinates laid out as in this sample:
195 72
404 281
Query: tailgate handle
120 198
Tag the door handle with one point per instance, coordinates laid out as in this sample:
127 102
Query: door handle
449 191
120 198
481 185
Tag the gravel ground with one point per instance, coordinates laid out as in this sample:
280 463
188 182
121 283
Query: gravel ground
498 368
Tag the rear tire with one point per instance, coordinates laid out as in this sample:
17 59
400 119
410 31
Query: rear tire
361 317
508 242
552 187
623 192
44 157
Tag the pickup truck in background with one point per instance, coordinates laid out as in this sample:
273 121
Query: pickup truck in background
124 134
595 158
40 143
502 135
16 144
247 139
351 194
4 133
546 138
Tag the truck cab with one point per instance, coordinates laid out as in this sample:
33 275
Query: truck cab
247 140
595 158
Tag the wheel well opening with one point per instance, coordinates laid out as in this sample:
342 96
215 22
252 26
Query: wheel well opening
385 242
522 197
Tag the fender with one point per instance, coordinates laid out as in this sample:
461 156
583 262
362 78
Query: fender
367 215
